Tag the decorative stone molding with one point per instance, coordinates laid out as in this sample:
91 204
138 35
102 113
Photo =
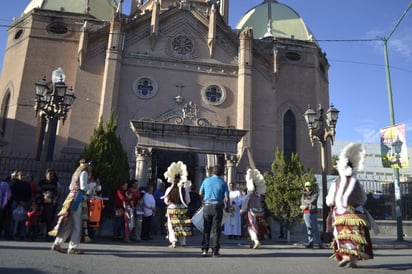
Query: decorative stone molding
213 140
188 115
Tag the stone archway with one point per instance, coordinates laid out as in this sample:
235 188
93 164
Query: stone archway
180 137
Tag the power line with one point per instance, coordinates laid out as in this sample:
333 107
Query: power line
349 40
368 64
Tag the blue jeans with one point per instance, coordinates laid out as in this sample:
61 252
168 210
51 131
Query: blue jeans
118 227
311 222
212 227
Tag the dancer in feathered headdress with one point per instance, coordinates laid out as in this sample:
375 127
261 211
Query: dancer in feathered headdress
253 204
352 239
177 197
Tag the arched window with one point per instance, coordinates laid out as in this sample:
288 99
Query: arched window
4 111
289 134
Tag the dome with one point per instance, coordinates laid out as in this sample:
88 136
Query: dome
101 9
272 19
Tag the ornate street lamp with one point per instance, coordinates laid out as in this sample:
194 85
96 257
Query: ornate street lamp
321 128
52 102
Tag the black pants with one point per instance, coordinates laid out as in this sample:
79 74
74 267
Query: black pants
212 227
146 224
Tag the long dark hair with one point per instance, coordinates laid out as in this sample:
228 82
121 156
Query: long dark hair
174 195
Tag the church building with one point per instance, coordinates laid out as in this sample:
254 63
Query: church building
182 83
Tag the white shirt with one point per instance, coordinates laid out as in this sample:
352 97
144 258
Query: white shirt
149 203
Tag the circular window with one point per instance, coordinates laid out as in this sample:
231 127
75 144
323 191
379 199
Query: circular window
214 94
182 45
58 28
293 56
145 88
18 34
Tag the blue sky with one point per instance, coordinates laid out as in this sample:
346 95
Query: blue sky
358 86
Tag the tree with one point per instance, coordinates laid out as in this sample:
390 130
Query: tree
284 186
109 159
335 159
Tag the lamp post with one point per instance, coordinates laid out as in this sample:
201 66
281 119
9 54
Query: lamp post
321 128
398 193
52 102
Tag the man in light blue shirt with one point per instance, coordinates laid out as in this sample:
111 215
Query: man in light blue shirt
215 194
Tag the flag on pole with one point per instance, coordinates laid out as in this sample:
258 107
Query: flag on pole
394 152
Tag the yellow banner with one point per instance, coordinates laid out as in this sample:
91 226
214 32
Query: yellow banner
393 147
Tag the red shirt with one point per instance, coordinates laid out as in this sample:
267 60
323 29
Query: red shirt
33 216
120 198
135 195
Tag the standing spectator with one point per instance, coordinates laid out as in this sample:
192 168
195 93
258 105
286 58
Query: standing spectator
94 187
149 208
232 226
243 213
71 211
282 233
139 213
48 193
120 204
133 194
95 207
215 194
253 205
21 196
160 215
5 208
19 219
33 186
128 223
176 198
32 221
347 196
309 205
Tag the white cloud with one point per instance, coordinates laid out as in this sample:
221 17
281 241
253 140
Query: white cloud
400 42
402 46
369 135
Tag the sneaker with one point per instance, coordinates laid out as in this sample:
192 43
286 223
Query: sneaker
309 246
87 239
74 251
256 245
216 254
58 248
204 253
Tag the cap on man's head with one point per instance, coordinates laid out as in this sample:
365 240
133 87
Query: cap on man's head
308 184
85 162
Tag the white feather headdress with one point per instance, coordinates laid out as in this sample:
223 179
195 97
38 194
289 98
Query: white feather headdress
255 181
174 169
351 159
180 169
349 164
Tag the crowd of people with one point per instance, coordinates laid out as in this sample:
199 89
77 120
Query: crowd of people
29 210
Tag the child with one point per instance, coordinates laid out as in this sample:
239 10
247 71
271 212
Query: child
128 223
32 221
19 217
138 218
